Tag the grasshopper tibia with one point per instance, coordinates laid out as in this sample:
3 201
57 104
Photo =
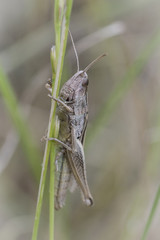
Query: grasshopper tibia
69 109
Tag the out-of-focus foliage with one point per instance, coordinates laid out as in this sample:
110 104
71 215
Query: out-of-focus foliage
123 158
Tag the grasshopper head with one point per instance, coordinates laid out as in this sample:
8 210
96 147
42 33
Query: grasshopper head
84 77
75 87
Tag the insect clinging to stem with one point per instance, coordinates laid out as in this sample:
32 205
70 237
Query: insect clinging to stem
72 112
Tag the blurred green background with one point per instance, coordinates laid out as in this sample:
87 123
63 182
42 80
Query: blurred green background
123 137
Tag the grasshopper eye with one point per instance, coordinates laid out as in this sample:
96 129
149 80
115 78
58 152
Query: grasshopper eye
85 81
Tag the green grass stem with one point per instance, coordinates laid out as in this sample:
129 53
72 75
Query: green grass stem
61 29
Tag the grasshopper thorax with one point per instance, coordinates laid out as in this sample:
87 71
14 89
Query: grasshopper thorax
76 86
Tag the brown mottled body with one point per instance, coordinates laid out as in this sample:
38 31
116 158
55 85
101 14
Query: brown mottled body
73 115
75 94
72 130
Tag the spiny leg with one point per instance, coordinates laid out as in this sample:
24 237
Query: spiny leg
69 109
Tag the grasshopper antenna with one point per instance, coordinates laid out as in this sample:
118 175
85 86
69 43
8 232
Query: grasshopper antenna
75 51
93 62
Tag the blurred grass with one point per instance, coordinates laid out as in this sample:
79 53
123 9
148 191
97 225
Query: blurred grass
113 101
153 156
110 9
151 215
121 89
16 114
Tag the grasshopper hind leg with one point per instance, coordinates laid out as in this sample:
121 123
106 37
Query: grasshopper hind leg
77 163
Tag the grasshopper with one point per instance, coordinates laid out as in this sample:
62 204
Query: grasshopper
72 112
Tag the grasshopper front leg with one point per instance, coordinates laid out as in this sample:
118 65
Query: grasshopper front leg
69 109
49 88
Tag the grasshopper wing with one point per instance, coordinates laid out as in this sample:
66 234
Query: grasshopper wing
72 183
63 176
